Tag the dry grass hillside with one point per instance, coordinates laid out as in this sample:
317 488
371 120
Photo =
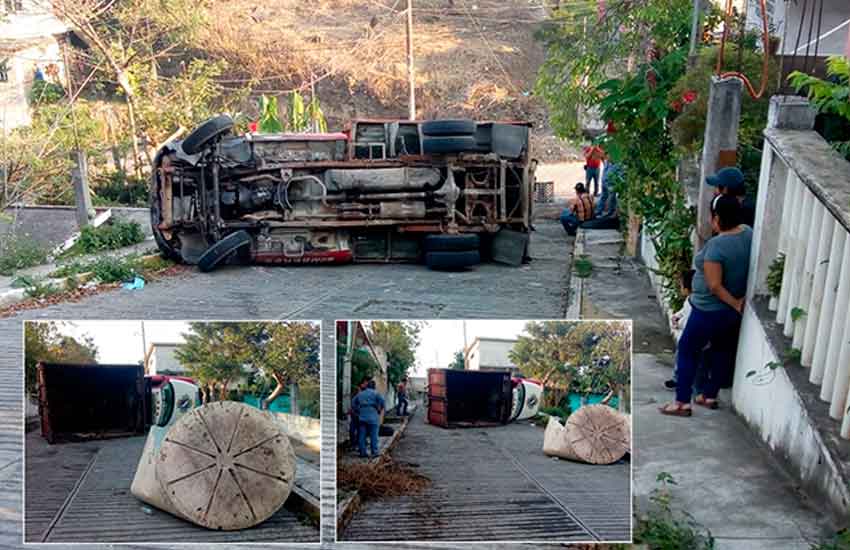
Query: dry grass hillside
474 58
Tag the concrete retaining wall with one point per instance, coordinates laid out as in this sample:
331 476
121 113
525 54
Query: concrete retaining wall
650 259
772 406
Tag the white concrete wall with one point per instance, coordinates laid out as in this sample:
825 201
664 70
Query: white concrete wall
491 354
163 359
14 104
649 257
305 429
34 28
770 404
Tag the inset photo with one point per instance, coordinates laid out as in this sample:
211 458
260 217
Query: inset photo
484 430
171 431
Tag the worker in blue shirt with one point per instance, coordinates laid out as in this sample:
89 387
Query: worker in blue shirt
368 405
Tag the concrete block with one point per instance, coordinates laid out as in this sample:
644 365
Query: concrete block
12 296
790 113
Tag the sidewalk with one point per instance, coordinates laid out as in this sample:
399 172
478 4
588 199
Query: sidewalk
10 294
726 479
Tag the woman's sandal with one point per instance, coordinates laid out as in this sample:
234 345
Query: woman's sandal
703 402
679 410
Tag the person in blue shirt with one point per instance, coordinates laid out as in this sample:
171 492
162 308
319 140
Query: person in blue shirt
368 405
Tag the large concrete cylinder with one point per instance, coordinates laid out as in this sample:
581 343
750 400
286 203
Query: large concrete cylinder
224 466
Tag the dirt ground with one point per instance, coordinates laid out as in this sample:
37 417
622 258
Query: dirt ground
476 59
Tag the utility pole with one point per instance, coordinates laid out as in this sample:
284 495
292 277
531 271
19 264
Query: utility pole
695 27
80 172
411 72
465 349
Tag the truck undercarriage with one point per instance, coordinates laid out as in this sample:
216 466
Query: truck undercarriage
383 191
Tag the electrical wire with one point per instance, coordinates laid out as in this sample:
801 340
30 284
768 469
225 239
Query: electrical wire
765 61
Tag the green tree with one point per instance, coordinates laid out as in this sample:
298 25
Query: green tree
287 353
128 38
215 354
45 343
569 354
585 47
400 340
218 353
643 149
458 361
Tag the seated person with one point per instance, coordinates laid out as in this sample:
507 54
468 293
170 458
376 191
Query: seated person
580 211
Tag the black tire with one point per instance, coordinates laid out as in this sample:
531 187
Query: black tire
221 250
452 243
201 136
449 127
450 145
452 260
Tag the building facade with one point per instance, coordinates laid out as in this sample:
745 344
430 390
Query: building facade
31 41
491 354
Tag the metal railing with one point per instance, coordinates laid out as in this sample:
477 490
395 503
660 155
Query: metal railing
813 306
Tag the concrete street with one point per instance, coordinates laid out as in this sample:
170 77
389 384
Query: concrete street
495 483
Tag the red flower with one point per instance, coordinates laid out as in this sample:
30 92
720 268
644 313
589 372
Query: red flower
689 97
612 128
252 127
677 106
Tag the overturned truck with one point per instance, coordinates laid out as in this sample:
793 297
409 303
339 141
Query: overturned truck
446 192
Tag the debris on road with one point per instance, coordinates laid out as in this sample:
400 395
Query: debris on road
381 479
136 284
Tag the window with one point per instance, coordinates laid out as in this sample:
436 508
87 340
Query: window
4 70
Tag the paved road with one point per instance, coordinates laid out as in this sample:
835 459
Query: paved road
535 290
496 484
101 508
389 291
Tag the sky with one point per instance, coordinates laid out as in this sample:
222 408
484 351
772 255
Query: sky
120 342
441 339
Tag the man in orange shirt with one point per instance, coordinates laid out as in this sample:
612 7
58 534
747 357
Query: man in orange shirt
593 157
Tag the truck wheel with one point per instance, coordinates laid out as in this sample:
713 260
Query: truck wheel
448 127
451 144
201 136
452 260
452 243
221 250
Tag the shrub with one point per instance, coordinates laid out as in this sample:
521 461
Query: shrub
663 528
830 97
120 188
109 236
20 253
44 92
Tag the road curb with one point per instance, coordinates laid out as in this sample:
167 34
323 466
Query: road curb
576 291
